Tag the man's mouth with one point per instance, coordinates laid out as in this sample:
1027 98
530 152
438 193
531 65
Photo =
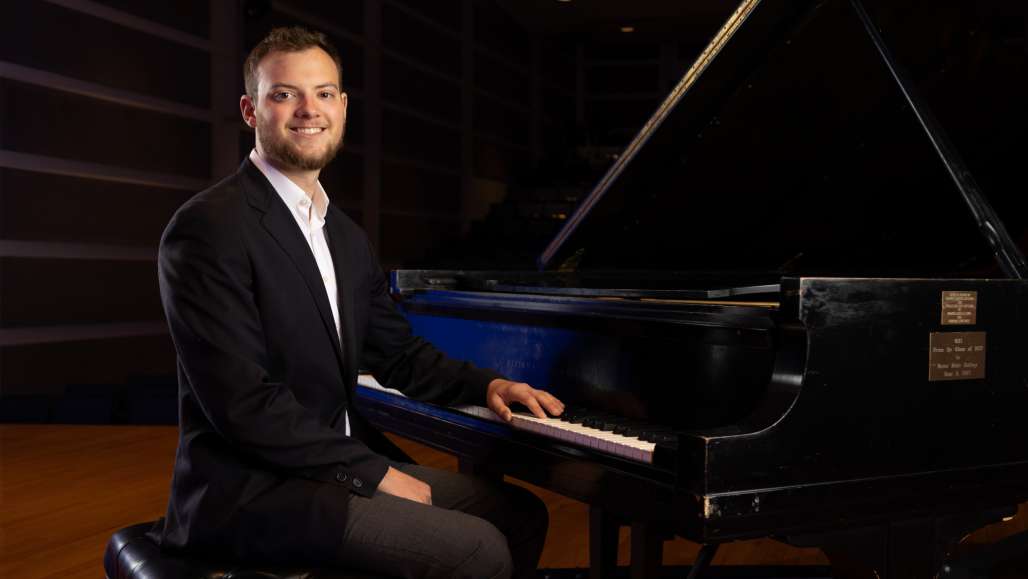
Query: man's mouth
307 130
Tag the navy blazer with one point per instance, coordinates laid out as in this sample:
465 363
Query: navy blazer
264 470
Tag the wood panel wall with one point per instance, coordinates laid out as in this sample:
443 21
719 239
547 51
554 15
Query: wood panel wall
116 112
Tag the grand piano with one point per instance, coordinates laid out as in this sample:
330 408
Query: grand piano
789 309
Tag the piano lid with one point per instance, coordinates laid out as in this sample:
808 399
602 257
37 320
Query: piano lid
790 149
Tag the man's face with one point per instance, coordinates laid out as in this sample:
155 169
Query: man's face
300 110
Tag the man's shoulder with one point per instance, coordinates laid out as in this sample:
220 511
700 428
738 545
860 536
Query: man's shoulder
215 211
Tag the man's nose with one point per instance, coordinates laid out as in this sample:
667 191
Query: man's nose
307 109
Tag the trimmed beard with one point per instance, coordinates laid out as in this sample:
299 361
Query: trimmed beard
285 153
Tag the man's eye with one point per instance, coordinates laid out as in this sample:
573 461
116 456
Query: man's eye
280 96
327 95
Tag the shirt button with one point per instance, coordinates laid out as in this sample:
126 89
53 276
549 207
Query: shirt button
340 477
358 483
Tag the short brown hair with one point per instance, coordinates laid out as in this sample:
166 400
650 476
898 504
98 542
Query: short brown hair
286 39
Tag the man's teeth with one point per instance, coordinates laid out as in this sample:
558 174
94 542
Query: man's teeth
308 130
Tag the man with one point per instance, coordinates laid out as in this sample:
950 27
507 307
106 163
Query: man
274 300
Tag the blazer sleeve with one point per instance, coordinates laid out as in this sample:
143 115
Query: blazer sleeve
205 282
398 359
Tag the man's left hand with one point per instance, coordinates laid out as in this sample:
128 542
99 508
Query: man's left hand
502 392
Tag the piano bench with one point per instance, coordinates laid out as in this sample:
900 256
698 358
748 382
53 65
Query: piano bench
130 554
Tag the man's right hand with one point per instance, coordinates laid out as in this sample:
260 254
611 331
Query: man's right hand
405 486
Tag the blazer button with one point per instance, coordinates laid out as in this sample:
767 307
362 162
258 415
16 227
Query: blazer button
340 477
358 483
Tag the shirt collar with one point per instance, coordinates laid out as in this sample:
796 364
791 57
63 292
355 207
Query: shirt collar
294 197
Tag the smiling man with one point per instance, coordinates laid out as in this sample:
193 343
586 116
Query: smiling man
274 299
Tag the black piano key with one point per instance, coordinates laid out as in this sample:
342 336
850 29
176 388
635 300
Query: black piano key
573 414
629 430
611 424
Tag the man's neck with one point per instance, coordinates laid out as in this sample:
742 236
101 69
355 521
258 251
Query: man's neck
305 180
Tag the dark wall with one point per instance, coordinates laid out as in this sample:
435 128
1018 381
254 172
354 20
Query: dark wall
114 113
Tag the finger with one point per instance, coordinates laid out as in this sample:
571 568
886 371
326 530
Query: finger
499 407
553 406
534 407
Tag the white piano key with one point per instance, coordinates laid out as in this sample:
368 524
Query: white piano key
600 440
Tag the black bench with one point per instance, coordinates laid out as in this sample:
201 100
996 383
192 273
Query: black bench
131 554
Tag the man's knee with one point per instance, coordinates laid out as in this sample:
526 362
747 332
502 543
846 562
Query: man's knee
489 554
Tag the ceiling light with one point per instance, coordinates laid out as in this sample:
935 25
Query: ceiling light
628 29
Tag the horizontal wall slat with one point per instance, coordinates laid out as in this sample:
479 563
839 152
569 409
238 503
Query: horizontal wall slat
67 84
46 292
58 250
71 126
96 51
320 15
134 22
59 334
38 206
498 31
407 136
106 356
415 113
408 35
397 160
408 238
189 16
407 85
57 166
421 11
410 188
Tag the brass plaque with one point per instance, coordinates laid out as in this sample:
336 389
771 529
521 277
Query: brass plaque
959 308
956 356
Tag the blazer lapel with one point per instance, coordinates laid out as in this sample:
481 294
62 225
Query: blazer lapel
282 227
341 262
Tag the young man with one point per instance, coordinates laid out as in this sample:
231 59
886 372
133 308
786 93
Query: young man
274 300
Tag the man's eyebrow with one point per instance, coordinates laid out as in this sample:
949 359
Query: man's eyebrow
294 87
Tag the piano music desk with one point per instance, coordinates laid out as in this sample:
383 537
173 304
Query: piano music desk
64 489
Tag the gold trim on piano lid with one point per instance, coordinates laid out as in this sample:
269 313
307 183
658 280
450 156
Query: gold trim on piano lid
716 44
768 305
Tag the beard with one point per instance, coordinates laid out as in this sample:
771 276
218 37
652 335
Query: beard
288 154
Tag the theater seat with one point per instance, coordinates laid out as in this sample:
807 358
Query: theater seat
131 554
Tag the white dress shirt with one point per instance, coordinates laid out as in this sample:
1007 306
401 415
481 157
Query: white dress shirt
310 217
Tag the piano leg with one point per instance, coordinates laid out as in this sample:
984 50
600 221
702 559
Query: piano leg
603 543
647 550
703 560
908 549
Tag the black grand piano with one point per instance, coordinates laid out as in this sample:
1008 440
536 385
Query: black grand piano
789 309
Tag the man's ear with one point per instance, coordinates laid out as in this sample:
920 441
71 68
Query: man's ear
246 107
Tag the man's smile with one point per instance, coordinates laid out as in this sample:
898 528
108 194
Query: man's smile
307 130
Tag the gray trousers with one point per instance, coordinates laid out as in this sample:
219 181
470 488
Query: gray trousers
474 528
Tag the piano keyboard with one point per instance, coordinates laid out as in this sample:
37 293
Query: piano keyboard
602 440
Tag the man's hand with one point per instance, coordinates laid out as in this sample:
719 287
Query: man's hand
502 392
405 486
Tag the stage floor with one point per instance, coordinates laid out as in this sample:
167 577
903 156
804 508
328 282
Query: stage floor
65 489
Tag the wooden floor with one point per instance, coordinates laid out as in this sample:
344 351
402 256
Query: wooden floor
65 489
